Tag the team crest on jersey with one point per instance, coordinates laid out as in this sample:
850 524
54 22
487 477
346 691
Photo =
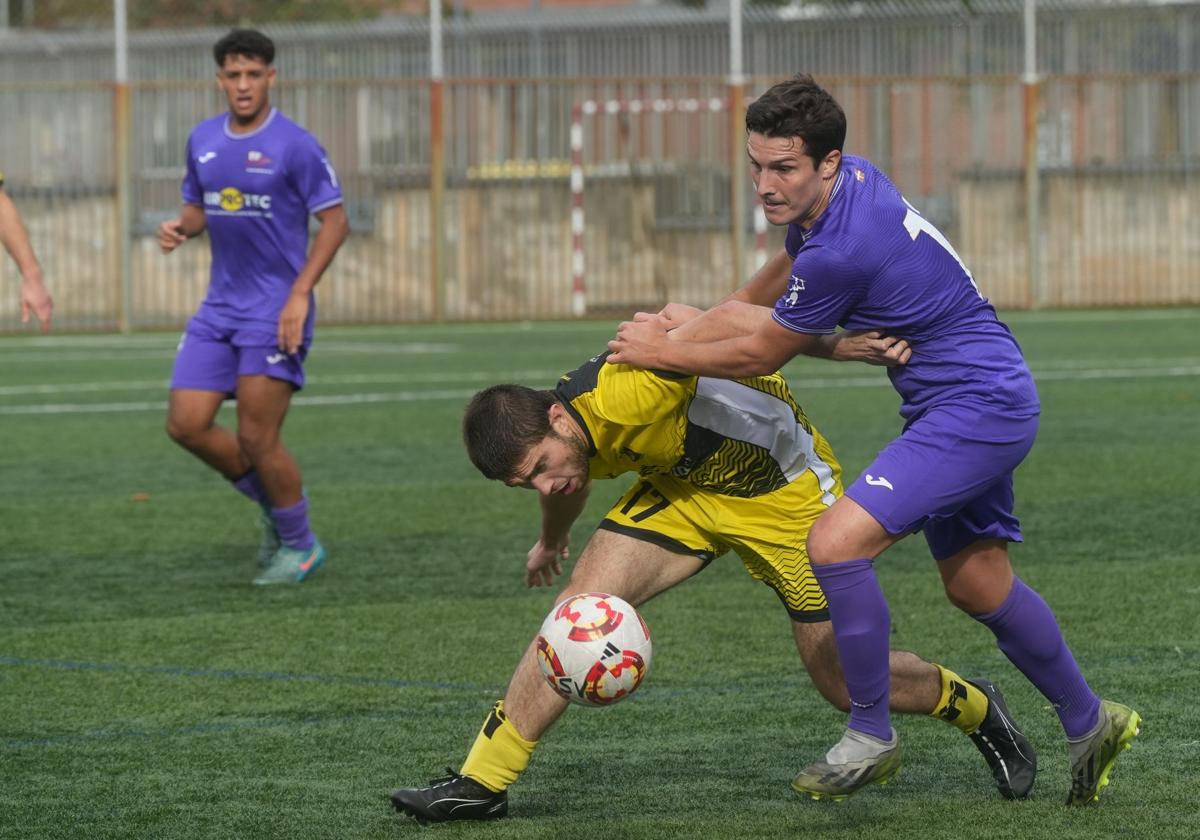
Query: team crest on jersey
795 287
259 162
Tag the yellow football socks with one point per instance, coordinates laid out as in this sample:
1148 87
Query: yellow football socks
961 703
499 754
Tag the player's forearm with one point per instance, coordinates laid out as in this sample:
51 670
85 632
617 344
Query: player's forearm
560 512
824 346
330 236
768 284
729 319
730 358
192 220
16 241
21 251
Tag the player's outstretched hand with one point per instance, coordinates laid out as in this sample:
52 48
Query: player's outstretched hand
35 299
637 341
545 563
874 347
677 314
171 235
291 322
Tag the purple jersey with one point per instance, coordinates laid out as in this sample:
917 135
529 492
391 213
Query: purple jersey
871 261
257 191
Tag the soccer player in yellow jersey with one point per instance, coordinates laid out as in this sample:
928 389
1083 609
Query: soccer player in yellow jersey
722 465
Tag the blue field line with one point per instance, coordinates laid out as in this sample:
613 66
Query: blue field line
334 720
460 689
278 676
204 729
788 685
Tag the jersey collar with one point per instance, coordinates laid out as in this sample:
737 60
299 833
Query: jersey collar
806 235
232 136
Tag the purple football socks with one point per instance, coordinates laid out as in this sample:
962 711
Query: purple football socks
292 525
1028 634
861 623
250 487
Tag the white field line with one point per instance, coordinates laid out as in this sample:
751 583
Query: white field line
800 385
419 334
114 353
350 332
164 354
1117 373
161 405
168 341
1100 316
548 377
1053 370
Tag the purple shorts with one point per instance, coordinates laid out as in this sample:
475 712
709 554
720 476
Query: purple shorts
211 358
950 474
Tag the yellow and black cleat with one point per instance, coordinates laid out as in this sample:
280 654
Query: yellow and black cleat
1093 757
858 760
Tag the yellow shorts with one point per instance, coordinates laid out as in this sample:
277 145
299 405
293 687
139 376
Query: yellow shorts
768 532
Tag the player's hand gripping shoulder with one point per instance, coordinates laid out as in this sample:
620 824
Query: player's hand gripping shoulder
544 563
873 347
678 314
638 342
733 339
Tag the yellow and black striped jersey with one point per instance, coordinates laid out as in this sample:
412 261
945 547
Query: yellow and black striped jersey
739 437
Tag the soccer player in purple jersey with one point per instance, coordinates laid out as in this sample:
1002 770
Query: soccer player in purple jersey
253 179
858 256
35 299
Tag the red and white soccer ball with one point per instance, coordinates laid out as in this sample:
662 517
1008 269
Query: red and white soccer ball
594 649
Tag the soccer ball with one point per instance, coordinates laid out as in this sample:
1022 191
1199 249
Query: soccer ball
594 649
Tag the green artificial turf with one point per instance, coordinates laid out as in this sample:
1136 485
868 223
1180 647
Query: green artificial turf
147 690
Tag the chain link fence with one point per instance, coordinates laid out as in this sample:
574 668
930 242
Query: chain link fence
932 98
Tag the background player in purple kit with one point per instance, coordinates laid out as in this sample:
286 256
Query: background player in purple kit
859 256
253 178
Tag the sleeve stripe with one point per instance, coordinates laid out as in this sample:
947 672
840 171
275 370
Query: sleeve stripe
796 329
333 202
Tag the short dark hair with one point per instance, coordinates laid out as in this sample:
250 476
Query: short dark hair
248 42
800 108
501 424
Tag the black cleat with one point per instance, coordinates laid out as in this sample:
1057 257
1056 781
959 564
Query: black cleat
454 797
1004 747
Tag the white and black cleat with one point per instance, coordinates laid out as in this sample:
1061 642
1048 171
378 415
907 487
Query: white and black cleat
454 797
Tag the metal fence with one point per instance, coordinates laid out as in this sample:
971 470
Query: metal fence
1118 157
872 38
